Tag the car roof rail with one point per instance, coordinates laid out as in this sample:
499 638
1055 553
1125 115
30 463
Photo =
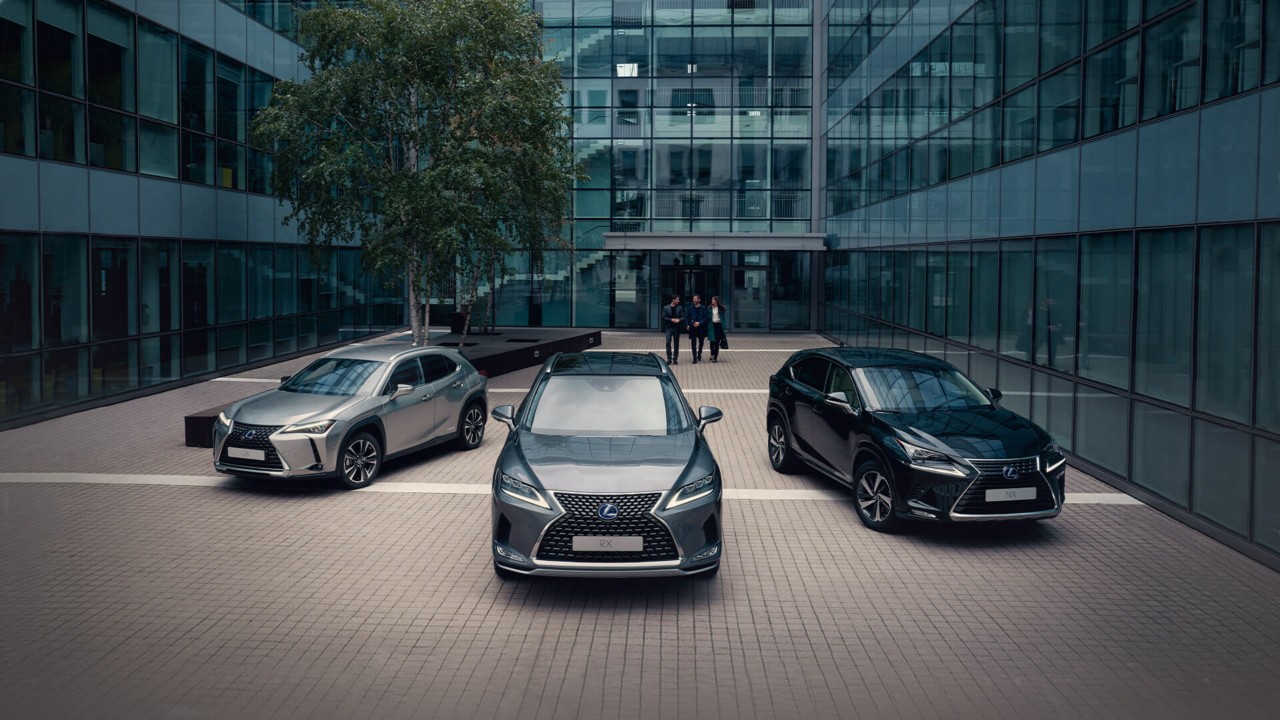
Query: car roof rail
659 361
551 363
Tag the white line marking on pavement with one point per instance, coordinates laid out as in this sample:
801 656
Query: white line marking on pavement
392 486
273 381
695 390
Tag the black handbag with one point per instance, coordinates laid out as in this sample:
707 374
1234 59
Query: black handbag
724 343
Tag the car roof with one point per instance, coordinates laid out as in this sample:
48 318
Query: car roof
859 357
606 363
383 351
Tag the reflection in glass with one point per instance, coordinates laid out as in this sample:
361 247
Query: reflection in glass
66 376
61 129
1060 108
115 367
197 87
114 288
1102 429
157 72
19 306
15 44
197 158
1019 125
1109 18
65 284
1220 484
110 45
986 295
1017 308
1268 390
1055 321
198 291
230 89
157 150
1225 322
231 285
1106 291
1171 67
59 50
17 120
1162 367
21 385
1233 52
1272 43
1059 31
1111 88
111 140
1052 407
957 293
1020 42
1266 493
159 286
1162 452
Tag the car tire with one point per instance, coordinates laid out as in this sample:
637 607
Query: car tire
360 461
873 497
708 574
505 574
781 456
471 427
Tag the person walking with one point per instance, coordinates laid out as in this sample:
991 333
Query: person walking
696 319
673 328
717 326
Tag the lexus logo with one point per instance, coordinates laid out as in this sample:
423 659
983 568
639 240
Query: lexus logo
607 512
1010 472
249 435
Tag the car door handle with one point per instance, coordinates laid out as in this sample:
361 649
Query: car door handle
457 383
427 397
817 409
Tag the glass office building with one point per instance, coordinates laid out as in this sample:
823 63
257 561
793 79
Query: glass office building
1078 202
138 246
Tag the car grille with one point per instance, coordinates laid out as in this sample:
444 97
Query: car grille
974 500
260 441
634 518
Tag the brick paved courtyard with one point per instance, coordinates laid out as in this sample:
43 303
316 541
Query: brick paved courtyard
193 596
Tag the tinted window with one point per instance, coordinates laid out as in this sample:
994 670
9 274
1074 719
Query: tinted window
608 405
840 381
811 372
406 373
332 376
435 367
916 390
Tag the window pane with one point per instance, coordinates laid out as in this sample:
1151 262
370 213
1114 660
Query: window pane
789 301
197 87
65 286
60 58
1102 429
157 72
1052 406
986 53
307 337
115 368
231 349
111 140
197 158
198 299
1233 52
1155 7
1165 284
1225 322
1059 32
110 56
17 120
15 43
1020 42
66 376
1111 88
231 285
1109 18
231 100
1272 42
1106 297
286 335
1017 315
19 306
1266 498
986 294
1055 303
257 171
986 138
1171 74
259 95
18 391
1060 109
158 150
198 350
1020 125
936 293
1161 452
1269 330
160 288
61 129
230 170
957 300
308 284
114 288
261 274
260 346
1220 489
286 283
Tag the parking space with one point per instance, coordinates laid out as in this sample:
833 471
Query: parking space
200 597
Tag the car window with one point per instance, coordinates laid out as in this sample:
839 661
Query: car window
607 405
407 372
839 380
436 367
916 390
812 372
332 376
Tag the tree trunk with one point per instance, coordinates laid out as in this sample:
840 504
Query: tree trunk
415 318
473 279
426 312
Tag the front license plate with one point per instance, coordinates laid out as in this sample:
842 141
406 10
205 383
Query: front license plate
1007 494
246 453
608 543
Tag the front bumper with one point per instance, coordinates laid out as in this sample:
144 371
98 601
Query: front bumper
524 536
289 455
940 498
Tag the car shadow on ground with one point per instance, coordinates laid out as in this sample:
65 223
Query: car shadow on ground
327 485
574 592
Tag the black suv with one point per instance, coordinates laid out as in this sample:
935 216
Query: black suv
912 436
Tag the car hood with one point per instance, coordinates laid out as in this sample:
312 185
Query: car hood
608 464
276 407
991 433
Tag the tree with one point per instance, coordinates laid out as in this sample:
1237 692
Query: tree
429 130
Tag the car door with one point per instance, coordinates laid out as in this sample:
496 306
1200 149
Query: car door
448 385
809 376
407 419
836 426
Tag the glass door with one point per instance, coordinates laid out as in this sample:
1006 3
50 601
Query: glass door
749 307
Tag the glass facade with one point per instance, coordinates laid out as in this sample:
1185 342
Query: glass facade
1089 222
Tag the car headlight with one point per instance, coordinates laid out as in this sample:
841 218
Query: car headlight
929 460
522 491
1052 458
311 428
695 490
224 420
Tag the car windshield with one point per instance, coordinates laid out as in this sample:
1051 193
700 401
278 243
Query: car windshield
332 376
608 405
916 390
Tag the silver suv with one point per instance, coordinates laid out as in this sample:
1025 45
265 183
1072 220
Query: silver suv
347 412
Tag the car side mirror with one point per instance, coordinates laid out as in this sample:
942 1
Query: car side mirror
506 415
284 379
708 415
400 391
842 400
995 394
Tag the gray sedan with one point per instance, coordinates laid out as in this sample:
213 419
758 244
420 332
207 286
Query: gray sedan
347 412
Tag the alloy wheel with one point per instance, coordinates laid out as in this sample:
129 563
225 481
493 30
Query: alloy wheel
875 498
777 444
473 426
360 462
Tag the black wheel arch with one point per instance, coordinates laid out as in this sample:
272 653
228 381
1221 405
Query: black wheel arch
373 426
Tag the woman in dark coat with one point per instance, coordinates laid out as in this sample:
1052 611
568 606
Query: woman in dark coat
717 326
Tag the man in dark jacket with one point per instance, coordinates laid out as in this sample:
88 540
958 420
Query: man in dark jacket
673 328
697 318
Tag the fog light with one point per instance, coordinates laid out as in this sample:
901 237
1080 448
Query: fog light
923 514
508 554
710 552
